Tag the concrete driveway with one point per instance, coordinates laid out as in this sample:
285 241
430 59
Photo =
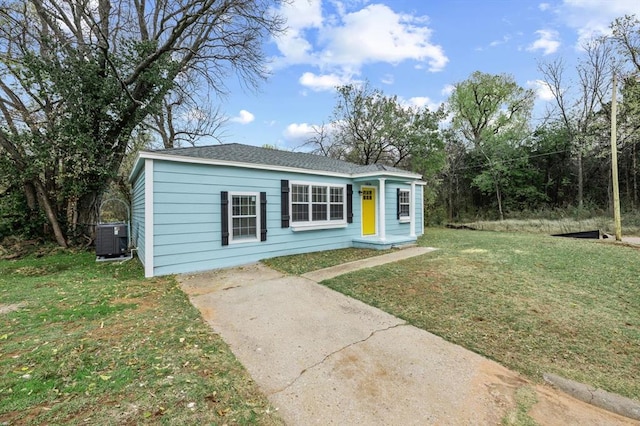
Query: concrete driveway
324 358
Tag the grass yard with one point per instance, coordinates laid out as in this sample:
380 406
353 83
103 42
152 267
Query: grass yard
95 343
531 302
302 263
630 225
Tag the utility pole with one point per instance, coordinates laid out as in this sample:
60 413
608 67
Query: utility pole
614 162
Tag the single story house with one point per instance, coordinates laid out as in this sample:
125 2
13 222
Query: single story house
217 206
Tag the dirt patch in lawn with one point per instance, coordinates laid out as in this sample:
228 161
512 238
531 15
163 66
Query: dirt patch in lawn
5 309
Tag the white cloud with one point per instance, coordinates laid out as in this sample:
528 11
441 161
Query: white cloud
299 132
504 40
244 117
303 13
340 44
542 89
387 79
300 15
296 134
378 34
447 90
591 18
544 6
419 102
324 82
547 42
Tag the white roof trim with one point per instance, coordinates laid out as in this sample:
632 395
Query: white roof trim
215 162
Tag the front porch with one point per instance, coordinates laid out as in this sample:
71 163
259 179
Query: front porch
386 243
381 229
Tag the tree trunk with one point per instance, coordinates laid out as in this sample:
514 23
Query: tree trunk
450 200
580 181
33 214
88 213
72 215
30 194
627 182
610 191
634 174
499 198
43 199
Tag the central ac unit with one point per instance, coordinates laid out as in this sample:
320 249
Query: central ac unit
112 239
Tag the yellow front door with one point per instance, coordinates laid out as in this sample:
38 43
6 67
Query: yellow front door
368 211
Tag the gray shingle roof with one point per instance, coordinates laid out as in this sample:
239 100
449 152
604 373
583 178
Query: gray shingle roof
256 155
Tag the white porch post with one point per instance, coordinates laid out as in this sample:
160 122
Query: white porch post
382 227
412 210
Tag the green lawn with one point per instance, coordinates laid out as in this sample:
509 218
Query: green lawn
96 343
302 263
531 302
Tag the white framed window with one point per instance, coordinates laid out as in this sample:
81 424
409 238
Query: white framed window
300 205
404 205
245 216
319 203
336 203
317 206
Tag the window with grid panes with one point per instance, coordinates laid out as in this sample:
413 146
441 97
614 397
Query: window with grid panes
299 203
336 203
318 203
244 217
313 203
404 204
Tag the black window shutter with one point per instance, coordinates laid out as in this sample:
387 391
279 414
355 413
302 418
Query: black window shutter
349 203
398 203
224 220
263 216
284 203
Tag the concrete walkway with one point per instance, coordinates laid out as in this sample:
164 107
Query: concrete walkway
334 271
324 358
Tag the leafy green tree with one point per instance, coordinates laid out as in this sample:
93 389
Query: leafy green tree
625 38
629 136
369 127
551 152
77 78
454 184
492 113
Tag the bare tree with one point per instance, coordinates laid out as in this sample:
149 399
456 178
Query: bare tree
185 119
323 142
577 103
78 77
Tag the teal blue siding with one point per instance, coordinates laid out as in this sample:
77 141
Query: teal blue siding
394 226
186 219
187 228
137 215
419 210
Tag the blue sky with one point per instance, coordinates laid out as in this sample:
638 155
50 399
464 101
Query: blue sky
415 49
